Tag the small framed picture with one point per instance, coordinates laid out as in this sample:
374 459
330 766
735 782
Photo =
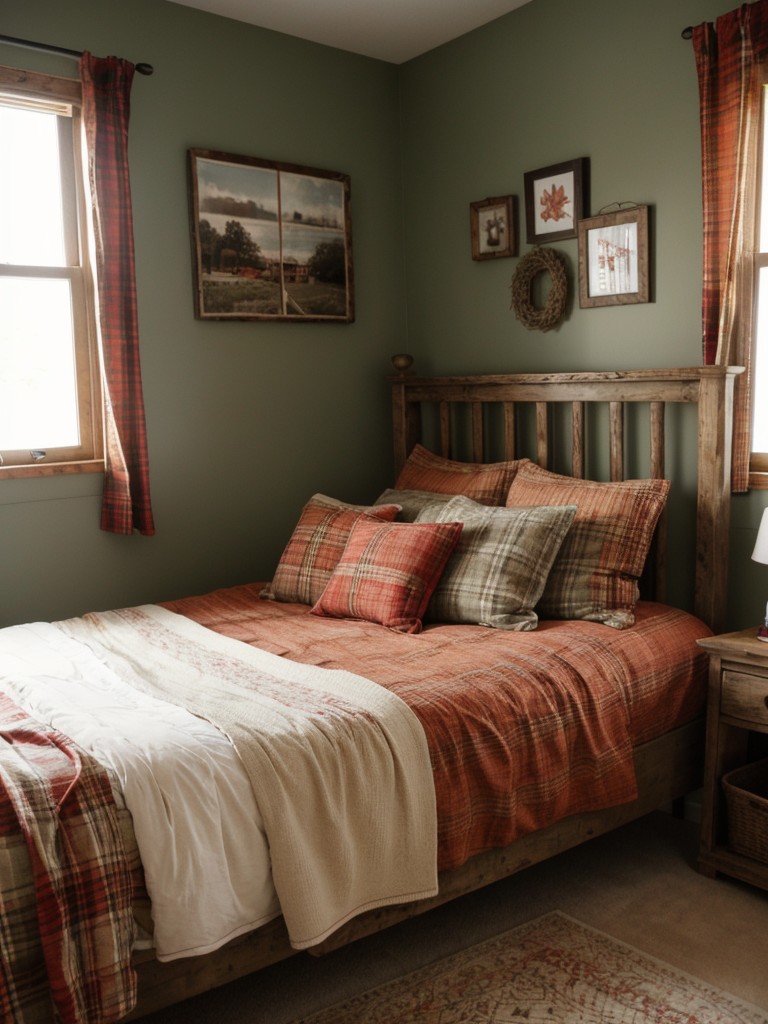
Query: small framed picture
493 226
555 201
613 258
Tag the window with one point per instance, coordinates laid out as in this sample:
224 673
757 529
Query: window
50 398
759 459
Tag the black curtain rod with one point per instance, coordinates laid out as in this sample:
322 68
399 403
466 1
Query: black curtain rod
143 69
687 32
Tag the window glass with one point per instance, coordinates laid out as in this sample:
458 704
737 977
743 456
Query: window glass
38 383
50 403
31 217
760 376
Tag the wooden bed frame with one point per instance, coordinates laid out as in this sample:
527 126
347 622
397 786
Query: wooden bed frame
485 418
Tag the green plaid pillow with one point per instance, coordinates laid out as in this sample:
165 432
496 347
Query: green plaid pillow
486 482
500 566
388 572
411 502
316 545
595 574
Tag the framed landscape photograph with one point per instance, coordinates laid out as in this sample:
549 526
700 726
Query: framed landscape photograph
613 258
493 227
270 241
555 200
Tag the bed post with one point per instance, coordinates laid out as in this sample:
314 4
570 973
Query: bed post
714 492
406 421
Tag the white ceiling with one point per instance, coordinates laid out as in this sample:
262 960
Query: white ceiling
390 30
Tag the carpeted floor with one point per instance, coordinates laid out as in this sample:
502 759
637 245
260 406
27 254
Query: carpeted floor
638 885
552 969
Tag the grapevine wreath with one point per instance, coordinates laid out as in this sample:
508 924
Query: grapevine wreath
539 261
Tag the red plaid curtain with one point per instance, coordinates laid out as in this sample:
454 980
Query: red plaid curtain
730 59
106 87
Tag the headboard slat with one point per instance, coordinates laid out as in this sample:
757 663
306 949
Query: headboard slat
657 440
542 435
578 452
445 430
478 440
510 430
617 440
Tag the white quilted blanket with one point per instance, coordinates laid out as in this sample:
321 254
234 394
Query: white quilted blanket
338 765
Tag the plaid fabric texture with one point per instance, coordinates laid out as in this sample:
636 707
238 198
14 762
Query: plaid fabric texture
388 572
498 571
106 85
66 923
484 482
730 65
411 502
595 574
316 545
523 728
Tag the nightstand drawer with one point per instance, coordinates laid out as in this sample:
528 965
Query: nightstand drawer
745 697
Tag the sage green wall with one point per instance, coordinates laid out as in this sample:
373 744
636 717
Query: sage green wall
240 433
245 420
611 80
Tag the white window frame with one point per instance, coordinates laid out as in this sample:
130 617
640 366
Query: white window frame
64 97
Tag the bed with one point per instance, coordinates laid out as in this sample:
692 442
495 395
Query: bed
477 772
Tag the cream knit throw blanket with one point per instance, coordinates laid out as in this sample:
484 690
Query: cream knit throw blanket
339 765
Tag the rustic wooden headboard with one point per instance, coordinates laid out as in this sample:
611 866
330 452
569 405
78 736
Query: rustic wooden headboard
483 418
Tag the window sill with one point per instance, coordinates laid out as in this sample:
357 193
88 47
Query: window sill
758 481
51 469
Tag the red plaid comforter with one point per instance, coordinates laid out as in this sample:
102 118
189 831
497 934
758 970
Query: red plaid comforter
74 955
523 728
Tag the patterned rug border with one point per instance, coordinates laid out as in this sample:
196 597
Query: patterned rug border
739 1010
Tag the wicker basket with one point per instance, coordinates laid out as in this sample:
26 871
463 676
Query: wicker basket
746 795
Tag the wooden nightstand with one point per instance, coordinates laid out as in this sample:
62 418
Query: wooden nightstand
737 724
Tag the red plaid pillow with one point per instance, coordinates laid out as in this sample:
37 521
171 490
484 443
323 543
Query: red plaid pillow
484 482
595 574
388 572
316 545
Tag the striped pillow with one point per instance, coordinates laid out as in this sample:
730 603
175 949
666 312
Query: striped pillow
316 545
498 571
388 572
486 482
595 574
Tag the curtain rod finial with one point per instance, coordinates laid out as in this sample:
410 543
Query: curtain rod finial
687 32
145 69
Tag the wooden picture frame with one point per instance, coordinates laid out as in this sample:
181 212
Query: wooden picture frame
270 241
493 227
613 258
555 200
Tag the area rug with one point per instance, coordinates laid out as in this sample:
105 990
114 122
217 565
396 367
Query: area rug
553 970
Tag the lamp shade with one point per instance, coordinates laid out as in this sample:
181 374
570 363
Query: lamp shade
760 554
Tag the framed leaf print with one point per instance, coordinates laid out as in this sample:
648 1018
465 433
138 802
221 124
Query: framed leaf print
555 201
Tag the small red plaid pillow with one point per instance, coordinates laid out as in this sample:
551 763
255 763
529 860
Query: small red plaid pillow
388 572
484 482
316 545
